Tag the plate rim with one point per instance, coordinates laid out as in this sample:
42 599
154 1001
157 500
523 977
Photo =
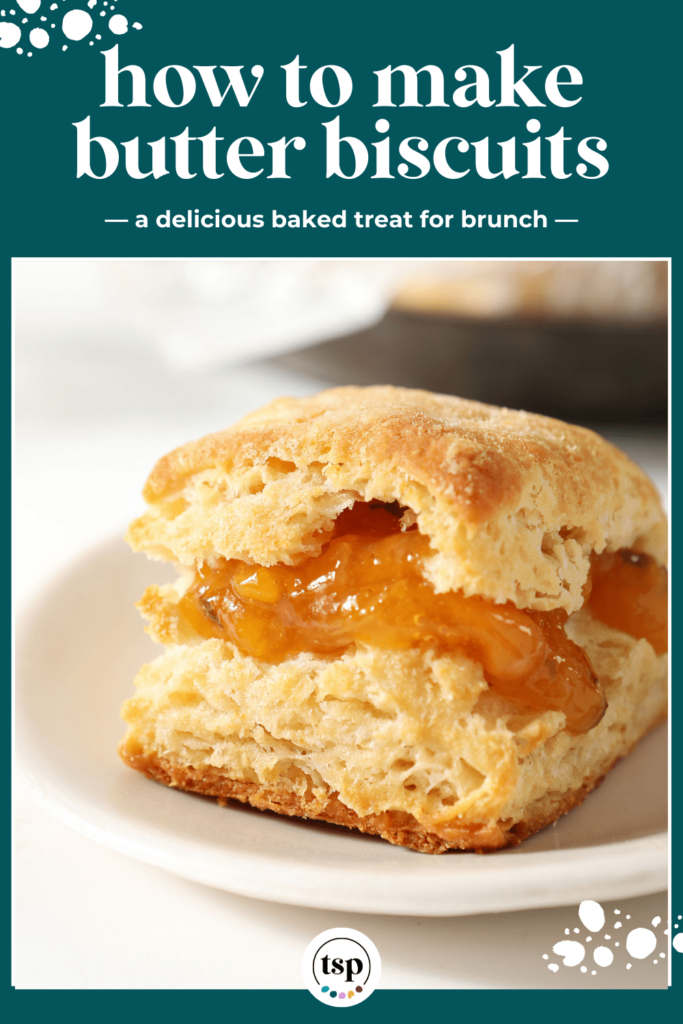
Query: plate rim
295 882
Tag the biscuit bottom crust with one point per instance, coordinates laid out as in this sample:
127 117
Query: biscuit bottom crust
397 827
412 746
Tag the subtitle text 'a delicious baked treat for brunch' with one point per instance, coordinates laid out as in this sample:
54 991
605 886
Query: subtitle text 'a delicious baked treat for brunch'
418 616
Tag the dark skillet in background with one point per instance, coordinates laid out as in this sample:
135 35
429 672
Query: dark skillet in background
572 368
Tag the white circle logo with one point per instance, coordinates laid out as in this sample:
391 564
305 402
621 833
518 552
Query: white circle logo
341 967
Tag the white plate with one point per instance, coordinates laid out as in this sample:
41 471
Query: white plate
77 653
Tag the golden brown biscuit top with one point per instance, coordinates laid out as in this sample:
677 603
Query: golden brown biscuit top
513 503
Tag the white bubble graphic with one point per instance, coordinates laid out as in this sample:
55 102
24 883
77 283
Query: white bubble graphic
39 38
640 943
553 967
572 952
656 921
10 34
592 915
30 6
118 25
136 24
603 956
678 942
76 24
617 924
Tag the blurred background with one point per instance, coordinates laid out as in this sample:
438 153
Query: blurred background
117 362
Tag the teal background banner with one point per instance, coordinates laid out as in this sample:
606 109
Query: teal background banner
627 93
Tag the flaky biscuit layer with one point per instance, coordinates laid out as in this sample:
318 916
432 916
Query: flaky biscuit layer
513 503
412 746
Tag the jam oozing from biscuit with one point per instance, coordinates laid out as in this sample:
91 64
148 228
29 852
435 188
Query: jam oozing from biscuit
367 586
629 591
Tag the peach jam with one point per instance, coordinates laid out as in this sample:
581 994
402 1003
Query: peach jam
629 591
367 586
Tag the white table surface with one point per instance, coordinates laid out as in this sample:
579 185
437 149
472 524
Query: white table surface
90 424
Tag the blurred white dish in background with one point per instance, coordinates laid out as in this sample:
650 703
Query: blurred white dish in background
208 312
200 313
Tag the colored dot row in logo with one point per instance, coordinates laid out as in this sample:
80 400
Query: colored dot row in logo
342 995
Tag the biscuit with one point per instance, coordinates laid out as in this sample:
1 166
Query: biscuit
324 704
600 291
